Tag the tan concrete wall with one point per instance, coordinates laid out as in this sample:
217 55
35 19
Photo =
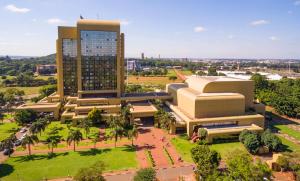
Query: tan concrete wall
217 106
186 102
245 88
63 33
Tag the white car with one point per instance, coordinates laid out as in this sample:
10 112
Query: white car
23 130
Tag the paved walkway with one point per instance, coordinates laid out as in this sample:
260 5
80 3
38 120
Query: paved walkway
151 138
163 174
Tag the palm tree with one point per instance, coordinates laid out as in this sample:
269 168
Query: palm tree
133 133
8 143
28 141
1 117
86 124
117 130
74 136
95 138
38 126
53 141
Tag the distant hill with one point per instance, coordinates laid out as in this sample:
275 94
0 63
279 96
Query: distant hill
49 59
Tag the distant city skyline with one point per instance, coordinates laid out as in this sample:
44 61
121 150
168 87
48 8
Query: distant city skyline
169 28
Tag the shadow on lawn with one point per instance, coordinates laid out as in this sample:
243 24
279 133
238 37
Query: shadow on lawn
40 157
277 120
5 169
93 152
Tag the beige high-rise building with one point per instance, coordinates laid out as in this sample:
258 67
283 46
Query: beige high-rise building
90 73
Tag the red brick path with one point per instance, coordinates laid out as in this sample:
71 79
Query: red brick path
151 138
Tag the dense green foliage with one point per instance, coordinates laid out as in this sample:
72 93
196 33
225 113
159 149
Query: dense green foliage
13 67
91 173
283 95
202 133
206 160
145 174
252 141
240 166
23 117
163 119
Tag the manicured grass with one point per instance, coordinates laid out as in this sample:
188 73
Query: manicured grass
289 146
63 130
27 90
289 131
8 116
171 72
150 80
186 72
64 164
184 147
6 129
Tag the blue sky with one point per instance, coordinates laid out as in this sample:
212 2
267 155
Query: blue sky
171 28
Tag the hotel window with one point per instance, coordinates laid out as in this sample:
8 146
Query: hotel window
69 51
99 60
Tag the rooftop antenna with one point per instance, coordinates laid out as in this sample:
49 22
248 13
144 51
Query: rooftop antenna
81 17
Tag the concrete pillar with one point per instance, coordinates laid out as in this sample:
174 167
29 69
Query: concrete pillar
172 129
189 129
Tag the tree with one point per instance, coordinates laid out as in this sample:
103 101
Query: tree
243 135
23 117
95 138
240 166
95 115
133 133
173 78
252 143
8 143
126 114
86 124
271 140
28 141
74 136
202 133
201 73
53 139
212 71
116 127
47 90
38 126
145 174
1 117
260 82
206 160
91 173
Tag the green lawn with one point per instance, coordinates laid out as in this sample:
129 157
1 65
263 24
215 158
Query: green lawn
184 146
186 72
289 146
64 164
289 131
6 129
27 90
63 130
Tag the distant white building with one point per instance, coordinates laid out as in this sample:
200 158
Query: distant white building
133 65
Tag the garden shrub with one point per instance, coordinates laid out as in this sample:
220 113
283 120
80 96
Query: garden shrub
145 174
252 143
202 133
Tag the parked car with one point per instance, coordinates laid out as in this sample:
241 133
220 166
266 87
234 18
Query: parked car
18 143
8 151
23 130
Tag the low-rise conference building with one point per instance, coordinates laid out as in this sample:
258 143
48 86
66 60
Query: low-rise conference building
90 74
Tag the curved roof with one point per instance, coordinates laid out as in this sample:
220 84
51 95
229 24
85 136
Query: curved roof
200 82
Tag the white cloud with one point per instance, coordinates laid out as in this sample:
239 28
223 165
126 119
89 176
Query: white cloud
125 22
13 8
273 38
297 3
259 22
55 21
198 29
34 20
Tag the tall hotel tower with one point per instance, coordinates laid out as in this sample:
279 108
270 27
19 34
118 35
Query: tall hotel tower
90 59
